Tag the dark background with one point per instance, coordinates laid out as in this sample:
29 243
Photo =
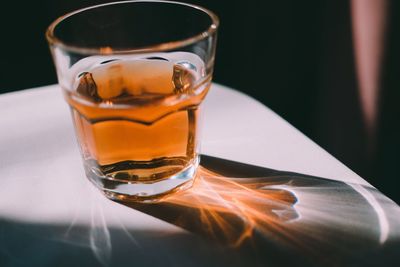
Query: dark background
294 56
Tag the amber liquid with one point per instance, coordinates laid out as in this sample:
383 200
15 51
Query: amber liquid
136 120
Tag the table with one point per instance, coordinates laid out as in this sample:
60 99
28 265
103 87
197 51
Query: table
314 211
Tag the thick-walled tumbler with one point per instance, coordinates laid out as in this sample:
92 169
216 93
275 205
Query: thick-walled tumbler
134 74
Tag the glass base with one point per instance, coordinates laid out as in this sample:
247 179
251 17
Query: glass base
139 191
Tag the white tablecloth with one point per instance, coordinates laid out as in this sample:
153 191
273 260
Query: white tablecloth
51 216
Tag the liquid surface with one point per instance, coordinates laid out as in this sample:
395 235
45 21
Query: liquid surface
136 120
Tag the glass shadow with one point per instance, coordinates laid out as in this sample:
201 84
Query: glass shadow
279 217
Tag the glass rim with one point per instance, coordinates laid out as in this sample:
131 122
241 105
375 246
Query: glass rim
165 46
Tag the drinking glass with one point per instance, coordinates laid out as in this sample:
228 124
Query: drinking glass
134 74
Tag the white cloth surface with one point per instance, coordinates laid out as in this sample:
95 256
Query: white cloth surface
44 191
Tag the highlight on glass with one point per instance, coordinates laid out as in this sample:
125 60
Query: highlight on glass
134 74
